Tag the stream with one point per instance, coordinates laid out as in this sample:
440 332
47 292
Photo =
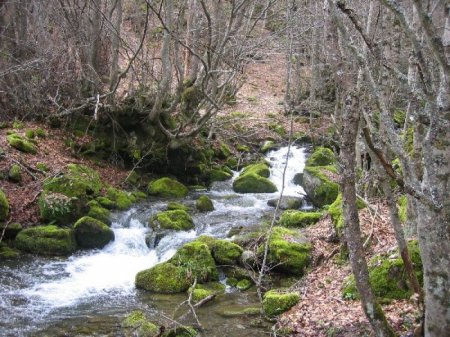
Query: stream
90 292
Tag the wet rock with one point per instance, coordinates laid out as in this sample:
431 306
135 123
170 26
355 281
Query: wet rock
174 220
287 202
166 187
253 179
92 233
318 187
204 204
298 179
322 156
276 302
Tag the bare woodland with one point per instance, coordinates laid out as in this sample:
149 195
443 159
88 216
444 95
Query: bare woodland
177 65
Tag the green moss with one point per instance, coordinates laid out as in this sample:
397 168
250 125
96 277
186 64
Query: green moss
40 133
226 252
291 218
276 302
106 202
195 257
216 174
171 206
240 311
7 253
137 321
204 204
166 187
181 331
322 156
30 134
408 140
225 151
134 319
288 251
178 220
133 178
46 240
267 146
244 284
15 173
79 182
18 125
122 200
253 183
21 143
387 276
4 206
399 117
242 148
139 195
56 207
402 206
92 233
98 212
326 191
336 212
277 128
164 278
42 167
261 169
202 291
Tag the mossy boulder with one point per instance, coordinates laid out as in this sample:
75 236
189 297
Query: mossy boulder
92 233
15 173
57 207
105 202
177 219
291 218
226 252
336 213
98 212
4 206
122 200
192 261
276 302
139 325
202 291
164 278
166 187
253 179
21 144
244 284
10 230
204 204
181 331
79 181
318 187
218 174
322 156
46 240
171 206
387 275
286 202
289 251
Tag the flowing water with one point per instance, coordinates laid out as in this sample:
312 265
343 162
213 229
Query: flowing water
90 292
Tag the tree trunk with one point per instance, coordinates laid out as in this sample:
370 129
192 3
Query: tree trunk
352 231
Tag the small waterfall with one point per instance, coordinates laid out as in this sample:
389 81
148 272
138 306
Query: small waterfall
46 291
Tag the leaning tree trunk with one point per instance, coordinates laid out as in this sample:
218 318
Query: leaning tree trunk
352 231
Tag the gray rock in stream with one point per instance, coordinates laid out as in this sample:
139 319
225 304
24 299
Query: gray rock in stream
287 202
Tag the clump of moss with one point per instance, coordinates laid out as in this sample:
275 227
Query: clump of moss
40 133
387 276
267 146
30 134
218 174
253 179
121 199
288 251
42 167
137 321
98 212
244 284
226 252
322 156
177 219
202 291
399 117
171 206
181 331
164 278
46 240
18 125
336 212
408 140
8 253
292 218
319 188
166 187
15 173
92 233
4 206
224 151
106 202
204 204
261 169
78 182
402 206
21 143
276 302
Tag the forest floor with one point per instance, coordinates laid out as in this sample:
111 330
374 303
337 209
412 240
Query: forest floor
321 311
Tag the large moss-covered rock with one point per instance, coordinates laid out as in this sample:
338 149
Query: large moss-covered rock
98 212
164 278
92 233
218 174
276 302
289 251
322 156
178 220
4 206
226 252
46 240
136 324
291 218
166 187
253 179
204 204
79 182
336 213
387 275
21 144
57 207
318 187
